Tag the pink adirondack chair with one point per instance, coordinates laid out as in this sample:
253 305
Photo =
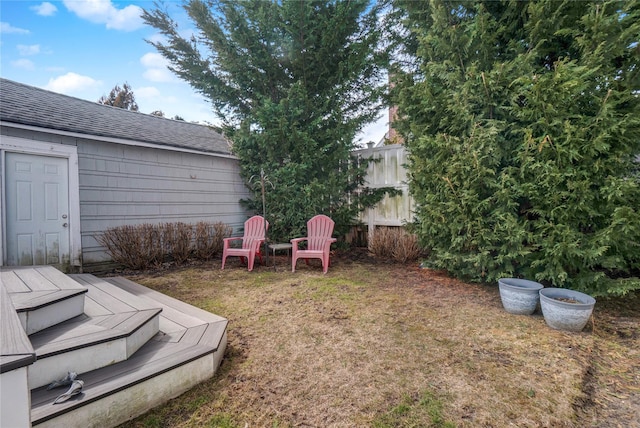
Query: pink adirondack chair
319 240
254 230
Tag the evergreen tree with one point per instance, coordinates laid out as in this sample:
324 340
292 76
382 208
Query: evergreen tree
293 82
121 98
522 120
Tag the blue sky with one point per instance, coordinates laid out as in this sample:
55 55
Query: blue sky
83 48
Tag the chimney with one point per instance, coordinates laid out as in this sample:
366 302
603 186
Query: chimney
392 135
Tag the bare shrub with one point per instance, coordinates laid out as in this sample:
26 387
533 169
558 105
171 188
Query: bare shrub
407 248
382 241
148 245
177 238
150 237
208 238
394 243
135 247
121 244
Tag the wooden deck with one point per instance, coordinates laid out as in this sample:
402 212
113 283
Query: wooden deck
187 348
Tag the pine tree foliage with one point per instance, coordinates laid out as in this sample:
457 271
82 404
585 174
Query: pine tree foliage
121 98
293 82
522 120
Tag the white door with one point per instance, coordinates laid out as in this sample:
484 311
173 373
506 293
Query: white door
37 210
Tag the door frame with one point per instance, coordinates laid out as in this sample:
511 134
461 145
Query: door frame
32 147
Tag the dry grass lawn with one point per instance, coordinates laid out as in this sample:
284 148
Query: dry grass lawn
373 344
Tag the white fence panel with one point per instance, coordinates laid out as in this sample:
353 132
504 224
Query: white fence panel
389 171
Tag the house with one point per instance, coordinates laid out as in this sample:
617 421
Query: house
71 168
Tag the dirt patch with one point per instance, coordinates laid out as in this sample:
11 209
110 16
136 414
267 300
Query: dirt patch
372 342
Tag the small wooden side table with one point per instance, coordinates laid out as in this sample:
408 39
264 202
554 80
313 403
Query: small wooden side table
280 247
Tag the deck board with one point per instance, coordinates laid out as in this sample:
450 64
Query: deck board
179 318
108 301
62 281
15 348
114 321
194 334
23 299
178 305
101 284
164 336
37 299
133 321
94 309
213 335
34 280
169 326
12 283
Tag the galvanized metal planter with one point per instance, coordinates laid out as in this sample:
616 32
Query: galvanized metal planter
565 309
519 296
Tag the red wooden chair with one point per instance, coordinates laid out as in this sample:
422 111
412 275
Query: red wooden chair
254 231
319 240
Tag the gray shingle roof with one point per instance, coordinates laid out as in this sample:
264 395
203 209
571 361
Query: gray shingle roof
28 105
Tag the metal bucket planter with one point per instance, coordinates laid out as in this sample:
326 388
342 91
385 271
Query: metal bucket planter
565 309
519 296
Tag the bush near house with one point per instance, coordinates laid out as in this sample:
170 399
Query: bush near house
145 246
522 120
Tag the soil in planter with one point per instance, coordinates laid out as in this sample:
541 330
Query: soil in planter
566 300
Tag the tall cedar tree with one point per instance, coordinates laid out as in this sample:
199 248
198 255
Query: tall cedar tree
293 82
523 124
121 98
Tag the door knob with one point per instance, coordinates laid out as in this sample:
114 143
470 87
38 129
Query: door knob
65 224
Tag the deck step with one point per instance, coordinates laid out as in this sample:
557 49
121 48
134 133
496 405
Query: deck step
42 296
16 355
115 394
87 343
186 351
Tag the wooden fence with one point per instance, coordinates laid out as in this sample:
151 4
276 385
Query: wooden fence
388 171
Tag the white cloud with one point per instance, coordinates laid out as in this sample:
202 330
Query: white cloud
157 38
26 50
158 75
45 9
6 28
104 12
147 92
175 99
157 70
153 60
23 64
71 83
